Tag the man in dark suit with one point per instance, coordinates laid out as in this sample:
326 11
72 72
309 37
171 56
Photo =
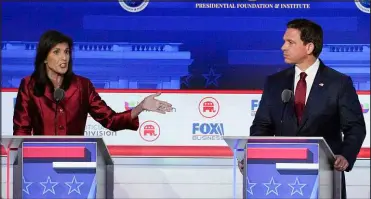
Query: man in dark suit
325 102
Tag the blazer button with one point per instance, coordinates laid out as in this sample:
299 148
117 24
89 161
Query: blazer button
61 110
61 127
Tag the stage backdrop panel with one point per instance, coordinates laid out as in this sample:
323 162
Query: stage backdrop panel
183 45
197 119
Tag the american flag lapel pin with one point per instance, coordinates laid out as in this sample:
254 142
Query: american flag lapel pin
321 84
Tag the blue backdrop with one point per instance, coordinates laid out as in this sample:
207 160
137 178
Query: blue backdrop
182 45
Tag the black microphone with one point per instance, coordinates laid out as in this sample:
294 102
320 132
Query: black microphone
58 97
286 96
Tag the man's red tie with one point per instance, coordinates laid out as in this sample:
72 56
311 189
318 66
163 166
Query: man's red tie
300 93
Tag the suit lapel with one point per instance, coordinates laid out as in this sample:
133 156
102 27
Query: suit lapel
72 89
315 96
49 93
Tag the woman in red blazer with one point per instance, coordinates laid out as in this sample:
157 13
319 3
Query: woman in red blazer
55 101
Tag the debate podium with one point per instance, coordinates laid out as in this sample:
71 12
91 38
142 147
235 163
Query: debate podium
285 167
57 167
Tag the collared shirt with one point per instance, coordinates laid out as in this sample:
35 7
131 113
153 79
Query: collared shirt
311 74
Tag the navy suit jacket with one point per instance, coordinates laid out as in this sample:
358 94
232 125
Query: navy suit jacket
331 109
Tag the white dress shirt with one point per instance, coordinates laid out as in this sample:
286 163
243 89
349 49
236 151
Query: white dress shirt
311 74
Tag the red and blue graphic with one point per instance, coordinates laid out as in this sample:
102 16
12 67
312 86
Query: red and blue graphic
59 170
282 171
130 105
365 107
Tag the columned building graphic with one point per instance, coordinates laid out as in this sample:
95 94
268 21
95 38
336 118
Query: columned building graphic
351 59
108 65
161 65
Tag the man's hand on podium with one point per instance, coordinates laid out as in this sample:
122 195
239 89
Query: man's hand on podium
341 164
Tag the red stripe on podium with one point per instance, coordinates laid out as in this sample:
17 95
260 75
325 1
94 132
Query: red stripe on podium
179 151
171 151
53 152
277 153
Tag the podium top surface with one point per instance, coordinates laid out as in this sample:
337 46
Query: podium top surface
239 142
15 141
276 138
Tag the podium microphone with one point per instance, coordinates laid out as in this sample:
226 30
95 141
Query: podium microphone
58 97
286 96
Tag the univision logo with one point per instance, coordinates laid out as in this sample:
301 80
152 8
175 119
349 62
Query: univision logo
130 105
365 107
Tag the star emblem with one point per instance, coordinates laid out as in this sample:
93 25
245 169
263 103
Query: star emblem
212 78
250 185
297 187
50 186
272 187
74 184
26 185
187 79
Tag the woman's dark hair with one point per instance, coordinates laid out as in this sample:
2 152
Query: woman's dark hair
48 41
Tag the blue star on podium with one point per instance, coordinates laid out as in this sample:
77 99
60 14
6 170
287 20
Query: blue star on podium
250 185
212 78
297 187
50 186
26 185
272 187
74 184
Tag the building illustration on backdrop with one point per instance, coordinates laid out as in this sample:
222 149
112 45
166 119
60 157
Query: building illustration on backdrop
350 59
108 65
161 65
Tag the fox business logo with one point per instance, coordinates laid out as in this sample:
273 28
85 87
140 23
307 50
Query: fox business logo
207 131
254 106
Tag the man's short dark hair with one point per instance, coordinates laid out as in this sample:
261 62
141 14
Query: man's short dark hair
310 32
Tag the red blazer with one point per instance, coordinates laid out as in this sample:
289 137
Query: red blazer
35 115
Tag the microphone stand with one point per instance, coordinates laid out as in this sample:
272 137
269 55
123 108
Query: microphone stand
286 98
55 117
282 117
